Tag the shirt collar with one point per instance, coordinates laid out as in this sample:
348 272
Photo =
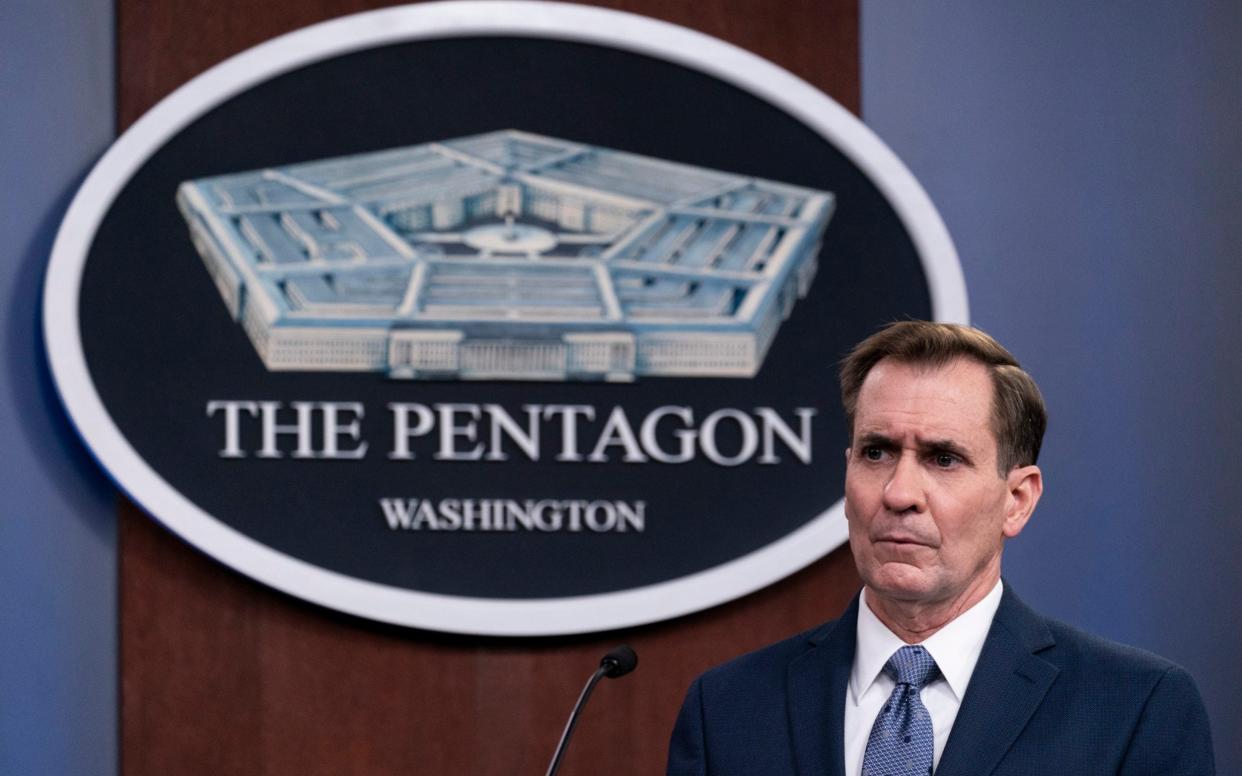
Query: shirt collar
955 647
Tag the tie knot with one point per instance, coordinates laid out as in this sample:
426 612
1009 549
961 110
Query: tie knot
912 666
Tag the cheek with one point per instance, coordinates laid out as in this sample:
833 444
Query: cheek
860 548
857 513
970 528
857 527
858 493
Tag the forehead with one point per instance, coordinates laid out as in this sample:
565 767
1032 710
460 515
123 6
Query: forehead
953 400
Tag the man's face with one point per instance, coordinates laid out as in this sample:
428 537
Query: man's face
927 509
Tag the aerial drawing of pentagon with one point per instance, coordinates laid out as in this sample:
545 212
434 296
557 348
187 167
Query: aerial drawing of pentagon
507 255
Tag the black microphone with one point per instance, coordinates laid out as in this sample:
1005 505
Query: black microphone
618 662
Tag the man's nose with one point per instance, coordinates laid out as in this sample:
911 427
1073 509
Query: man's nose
904 490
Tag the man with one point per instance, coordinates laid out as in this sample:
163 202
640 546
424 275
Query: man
937 666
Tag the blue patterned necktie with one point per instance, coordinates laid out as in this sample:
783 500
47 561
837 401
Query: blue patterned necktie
901 740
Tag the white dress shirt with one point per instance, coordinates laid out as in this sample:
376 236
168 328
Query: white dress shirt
955 648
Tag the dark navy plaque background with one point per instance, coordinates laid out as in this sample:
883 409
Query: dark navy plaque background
160 344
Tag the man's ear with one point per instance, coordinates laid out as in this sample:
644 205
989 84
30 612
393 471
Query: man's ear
1026 485
847 455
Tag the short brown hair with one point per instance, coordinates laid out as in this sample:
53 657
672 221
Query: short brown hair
1018 414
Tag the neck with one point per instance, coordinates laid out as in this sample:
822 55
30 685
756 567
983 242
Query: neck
916 621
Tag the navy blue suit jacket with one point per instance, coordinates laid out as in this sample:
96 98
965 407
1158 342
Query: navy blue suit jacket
1045 700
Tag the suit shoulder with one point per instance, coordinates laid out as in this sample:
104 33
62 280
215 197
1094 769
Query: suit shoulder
1105 657
1168 731
1075 651
1114 673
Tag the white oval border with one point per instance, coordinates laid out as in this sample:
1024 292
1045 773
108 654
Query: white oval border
460 18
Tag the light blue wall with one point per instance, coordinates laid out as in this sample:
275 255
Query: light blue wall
1087 158
57 535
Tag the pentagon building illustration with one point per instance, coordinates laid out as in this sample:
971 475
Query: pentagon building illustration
507 255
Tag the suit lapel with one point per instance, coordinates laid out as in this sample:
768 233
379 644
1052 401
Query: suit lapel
817 683
1008 684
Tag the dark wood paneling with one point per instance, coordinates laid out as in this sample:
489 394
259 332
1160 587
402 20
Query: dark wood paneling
222 675
161 45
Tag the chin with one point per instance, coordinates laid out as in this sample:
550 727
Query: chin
900 582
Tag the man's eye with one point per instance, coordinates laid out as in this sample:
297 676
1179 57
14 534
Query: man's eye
945 460
873 453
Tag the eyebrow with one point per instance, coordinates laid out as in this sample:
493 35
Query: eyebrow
926 446
945 446
874 440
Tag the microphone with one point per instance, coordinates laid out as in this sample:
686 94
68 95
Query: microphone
618 662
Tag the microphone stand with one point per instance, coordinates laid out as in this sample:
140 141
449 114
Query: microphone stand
573 716
619 662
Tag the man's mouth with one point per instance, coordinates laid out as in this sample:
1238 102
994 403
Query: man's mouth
906 541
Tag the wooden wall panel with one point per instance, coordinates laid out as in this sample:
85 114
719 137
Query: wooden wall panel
221 675
162 45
